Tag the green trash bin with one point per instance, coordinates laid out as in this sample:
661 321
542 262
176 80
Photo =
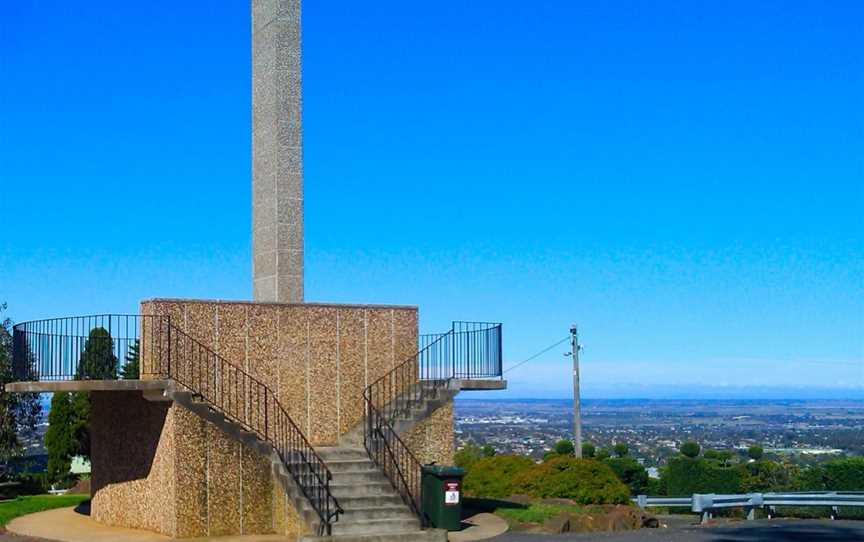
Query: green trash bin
442 496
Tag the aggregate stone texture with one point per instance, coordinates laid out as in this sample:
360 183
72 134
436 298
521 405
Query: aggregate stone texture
277 152
316 359
432 439
132 458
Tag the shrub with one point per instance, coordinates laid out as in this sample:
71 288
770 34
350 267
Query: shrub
584 480
688 475
564 447
495 476
845 474
755 452
690 449
621 450
588 450
765 475
629 471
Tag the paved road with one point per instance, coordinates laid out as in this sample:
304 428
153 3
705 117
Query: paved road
777 530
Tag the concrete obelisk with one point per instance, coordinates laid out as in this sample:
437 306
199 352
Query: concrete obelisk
277 152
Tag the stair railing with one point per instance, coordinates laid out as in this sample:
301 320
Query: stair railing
106 347
470 350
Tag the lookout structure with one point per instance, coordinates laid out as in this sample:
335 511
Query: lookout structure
271 415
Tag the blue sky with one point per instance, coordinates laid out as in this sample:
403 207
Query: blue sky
684 180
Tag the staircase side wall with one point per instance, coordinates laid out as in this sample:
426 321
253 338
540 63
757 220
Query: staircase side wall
132 462
160 467
432 439
317 357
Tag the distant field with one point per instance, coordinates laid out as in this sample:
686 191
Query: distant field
22 506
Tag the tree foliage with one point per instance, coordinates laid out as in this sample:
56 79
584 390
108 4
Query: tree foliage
131 370
495 476
564 447
470 453
690 449
755 452
629 471
586 481
621 449
19 412
686 475
68 434
588 450
98 361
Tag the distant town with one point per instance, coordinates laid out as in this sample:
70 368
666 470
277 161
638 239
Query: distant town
802 431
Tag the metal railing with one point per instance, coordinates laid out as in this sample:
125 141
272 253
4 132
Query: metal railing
107 347
470 350
706 504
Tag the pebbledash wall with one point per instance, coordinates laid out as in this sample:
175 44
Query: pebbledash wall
174 473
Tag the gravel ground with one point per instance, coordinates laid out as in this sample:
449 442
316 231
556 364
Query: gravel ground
683 530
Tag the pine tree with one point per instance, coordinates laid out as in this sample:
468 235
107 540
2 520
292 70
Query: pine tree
19 412
132 369
98 361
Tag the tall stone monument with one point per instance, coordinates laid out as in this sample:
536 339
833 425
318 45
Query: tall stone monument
277 152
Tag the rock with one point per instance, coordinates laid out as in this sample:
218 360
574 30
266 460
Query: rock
650 522
557 525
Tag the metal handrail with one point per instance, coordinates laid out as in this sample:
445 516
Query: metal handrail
469 350
83 348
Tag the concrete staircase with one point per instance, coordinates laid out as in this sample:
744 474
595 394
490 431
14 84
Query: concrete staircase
419 403
373 510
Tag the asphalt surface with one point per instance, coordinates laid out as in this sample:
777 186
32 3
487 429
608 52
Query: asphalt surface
776 530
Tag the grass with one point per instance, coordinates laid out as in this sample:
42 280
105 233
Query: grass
514 513
535 512
21 506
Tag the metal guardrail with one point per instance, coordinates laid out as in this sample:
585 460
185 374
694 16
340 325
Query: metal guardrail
706 504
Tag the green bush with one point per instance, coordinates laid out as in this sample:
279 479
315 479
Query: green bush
495 476
584 480
690 449
766 475
687 475
845 474
629 471
564 447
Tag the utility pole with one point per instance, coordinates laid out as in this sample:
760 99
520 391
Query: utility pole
577 408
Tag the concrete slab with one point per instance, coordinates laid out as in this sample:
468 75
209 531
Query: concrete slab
477 385
86 385
479 527
66 525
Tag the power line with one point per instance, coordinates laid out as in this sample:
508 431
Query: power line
538 354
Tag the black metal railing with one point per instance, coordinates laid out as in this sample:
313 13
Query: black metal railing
470 350
108 347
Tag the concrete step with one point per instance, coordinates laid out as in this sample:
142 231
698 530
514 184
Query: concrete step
337 453
368 501
358 477
350 465
367 489
429 535
389 511
376 526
